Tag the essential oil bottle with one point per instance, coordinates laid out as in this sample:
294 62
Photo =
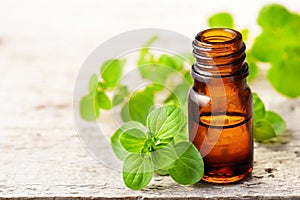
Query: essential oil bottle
220 106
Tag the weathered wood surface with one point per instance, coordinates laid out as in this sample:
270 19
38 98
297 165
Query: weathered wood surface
42 156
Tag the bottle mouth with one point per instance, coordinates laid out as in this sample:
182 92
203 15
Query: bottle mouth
219 53
217 36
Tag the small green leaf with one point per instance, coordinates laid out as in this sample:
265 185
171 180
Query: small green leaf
258 108
276 121
151 69
122 92
146 57
155 72
153 88
165 157
125 112
117 99
103 101
165 122
273 16
118 149
88 109
189 168
176 62
222 19
137 171
179 94
188 77
263 130
133 140
265 49
182 135
111 72
138 107
252 64
245 33
284 74
93 83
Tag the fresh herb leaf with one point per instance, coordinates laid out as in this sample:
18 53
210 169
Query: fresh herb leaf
182 134
118 149
165 157
188 77
93 83
146 57
267 124
258 108
88 109
263 130
103 101
138 107
111 72
276 121
157 73
122 92
125 113
252 64
276 45
133 140
165 122
289 68
189 168
273 16
176 62
137 171
222 19
179 94
245 33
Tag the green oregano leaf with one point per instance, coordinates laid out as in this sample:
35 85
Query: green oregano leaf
118 149
111 72
189 168
273 16
137 171
88 108
263 130
165 122
176 62
93 83
133 140
121 94
289 65
258 108
279 24
145 56
138 107
276 121
179 94
103 100
165 157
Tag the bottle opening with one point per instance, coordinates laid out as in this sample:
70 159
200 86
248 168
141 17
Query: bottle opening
219 52
218 36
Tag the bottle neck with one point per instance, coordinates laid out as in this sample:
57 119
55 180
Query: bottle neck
220 54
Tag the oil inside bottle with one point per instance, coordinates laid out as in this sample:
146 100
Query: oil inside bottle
223 136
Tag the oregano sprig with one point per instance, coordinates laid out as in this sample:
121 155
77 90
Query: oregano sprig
150 149
266 124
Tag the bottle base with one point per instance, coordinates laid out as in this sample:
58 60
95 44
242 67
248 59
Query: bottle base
221 179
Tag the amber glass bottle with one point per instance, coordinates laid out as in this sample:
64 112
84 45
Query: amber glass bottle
220 106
